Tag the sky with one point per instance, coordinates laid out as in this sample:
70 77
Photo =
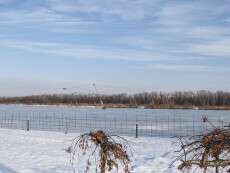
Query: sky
120 45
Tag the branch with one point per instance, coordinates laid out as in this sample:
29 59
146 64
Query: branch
213 163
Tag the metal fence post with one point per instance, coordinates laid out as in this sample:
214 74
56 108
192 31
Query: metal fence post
27 125
66 126
136 130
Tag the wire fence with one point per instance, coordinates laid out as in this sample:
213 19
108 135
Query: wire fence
140 126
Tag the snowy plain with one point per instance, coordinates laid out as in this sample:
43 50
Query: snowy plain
44 152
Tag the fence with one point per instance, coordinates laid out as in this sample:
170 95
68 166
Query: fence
141 126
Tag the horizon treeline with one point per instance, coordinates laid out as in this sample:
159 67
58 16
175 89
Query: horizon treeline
199 98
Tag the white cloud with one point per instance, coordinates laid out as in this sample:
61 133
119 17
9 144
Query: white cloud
35 16
183 35
215 48
138 42
123 9
80 51
184 67
209 31
45 20
79 11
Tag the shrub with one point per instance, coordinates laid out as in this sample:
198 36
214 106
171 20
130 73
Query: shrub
210 151
111 153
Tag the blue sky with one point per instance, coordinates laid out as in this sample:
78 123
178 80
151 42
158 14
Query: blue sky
121 45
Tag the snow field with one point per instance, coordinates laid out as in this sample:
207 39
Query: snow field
44 152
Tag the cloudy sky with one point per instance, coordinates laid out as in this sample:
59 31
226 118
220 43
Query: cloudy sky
121 45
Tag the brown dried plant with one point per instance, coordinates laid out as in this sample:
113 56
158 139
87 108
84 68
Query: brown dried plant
110 153
210 151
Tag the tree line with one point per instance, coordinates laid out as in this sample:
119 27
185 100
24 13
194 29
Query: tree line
199 98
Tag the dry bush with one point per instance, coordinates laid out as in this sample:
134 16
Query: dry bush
110 153
210 151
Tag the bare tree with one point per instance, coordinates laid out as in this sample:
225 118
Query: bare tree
200 98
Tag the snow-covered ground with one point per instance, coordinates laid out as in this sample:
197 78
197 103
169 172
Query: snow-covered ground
44 152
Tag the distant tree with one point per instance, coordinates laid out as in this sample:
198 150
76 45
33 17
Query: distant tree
199 98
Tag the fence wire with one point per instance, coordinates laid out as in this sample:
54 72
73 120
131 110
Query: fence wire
149 126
